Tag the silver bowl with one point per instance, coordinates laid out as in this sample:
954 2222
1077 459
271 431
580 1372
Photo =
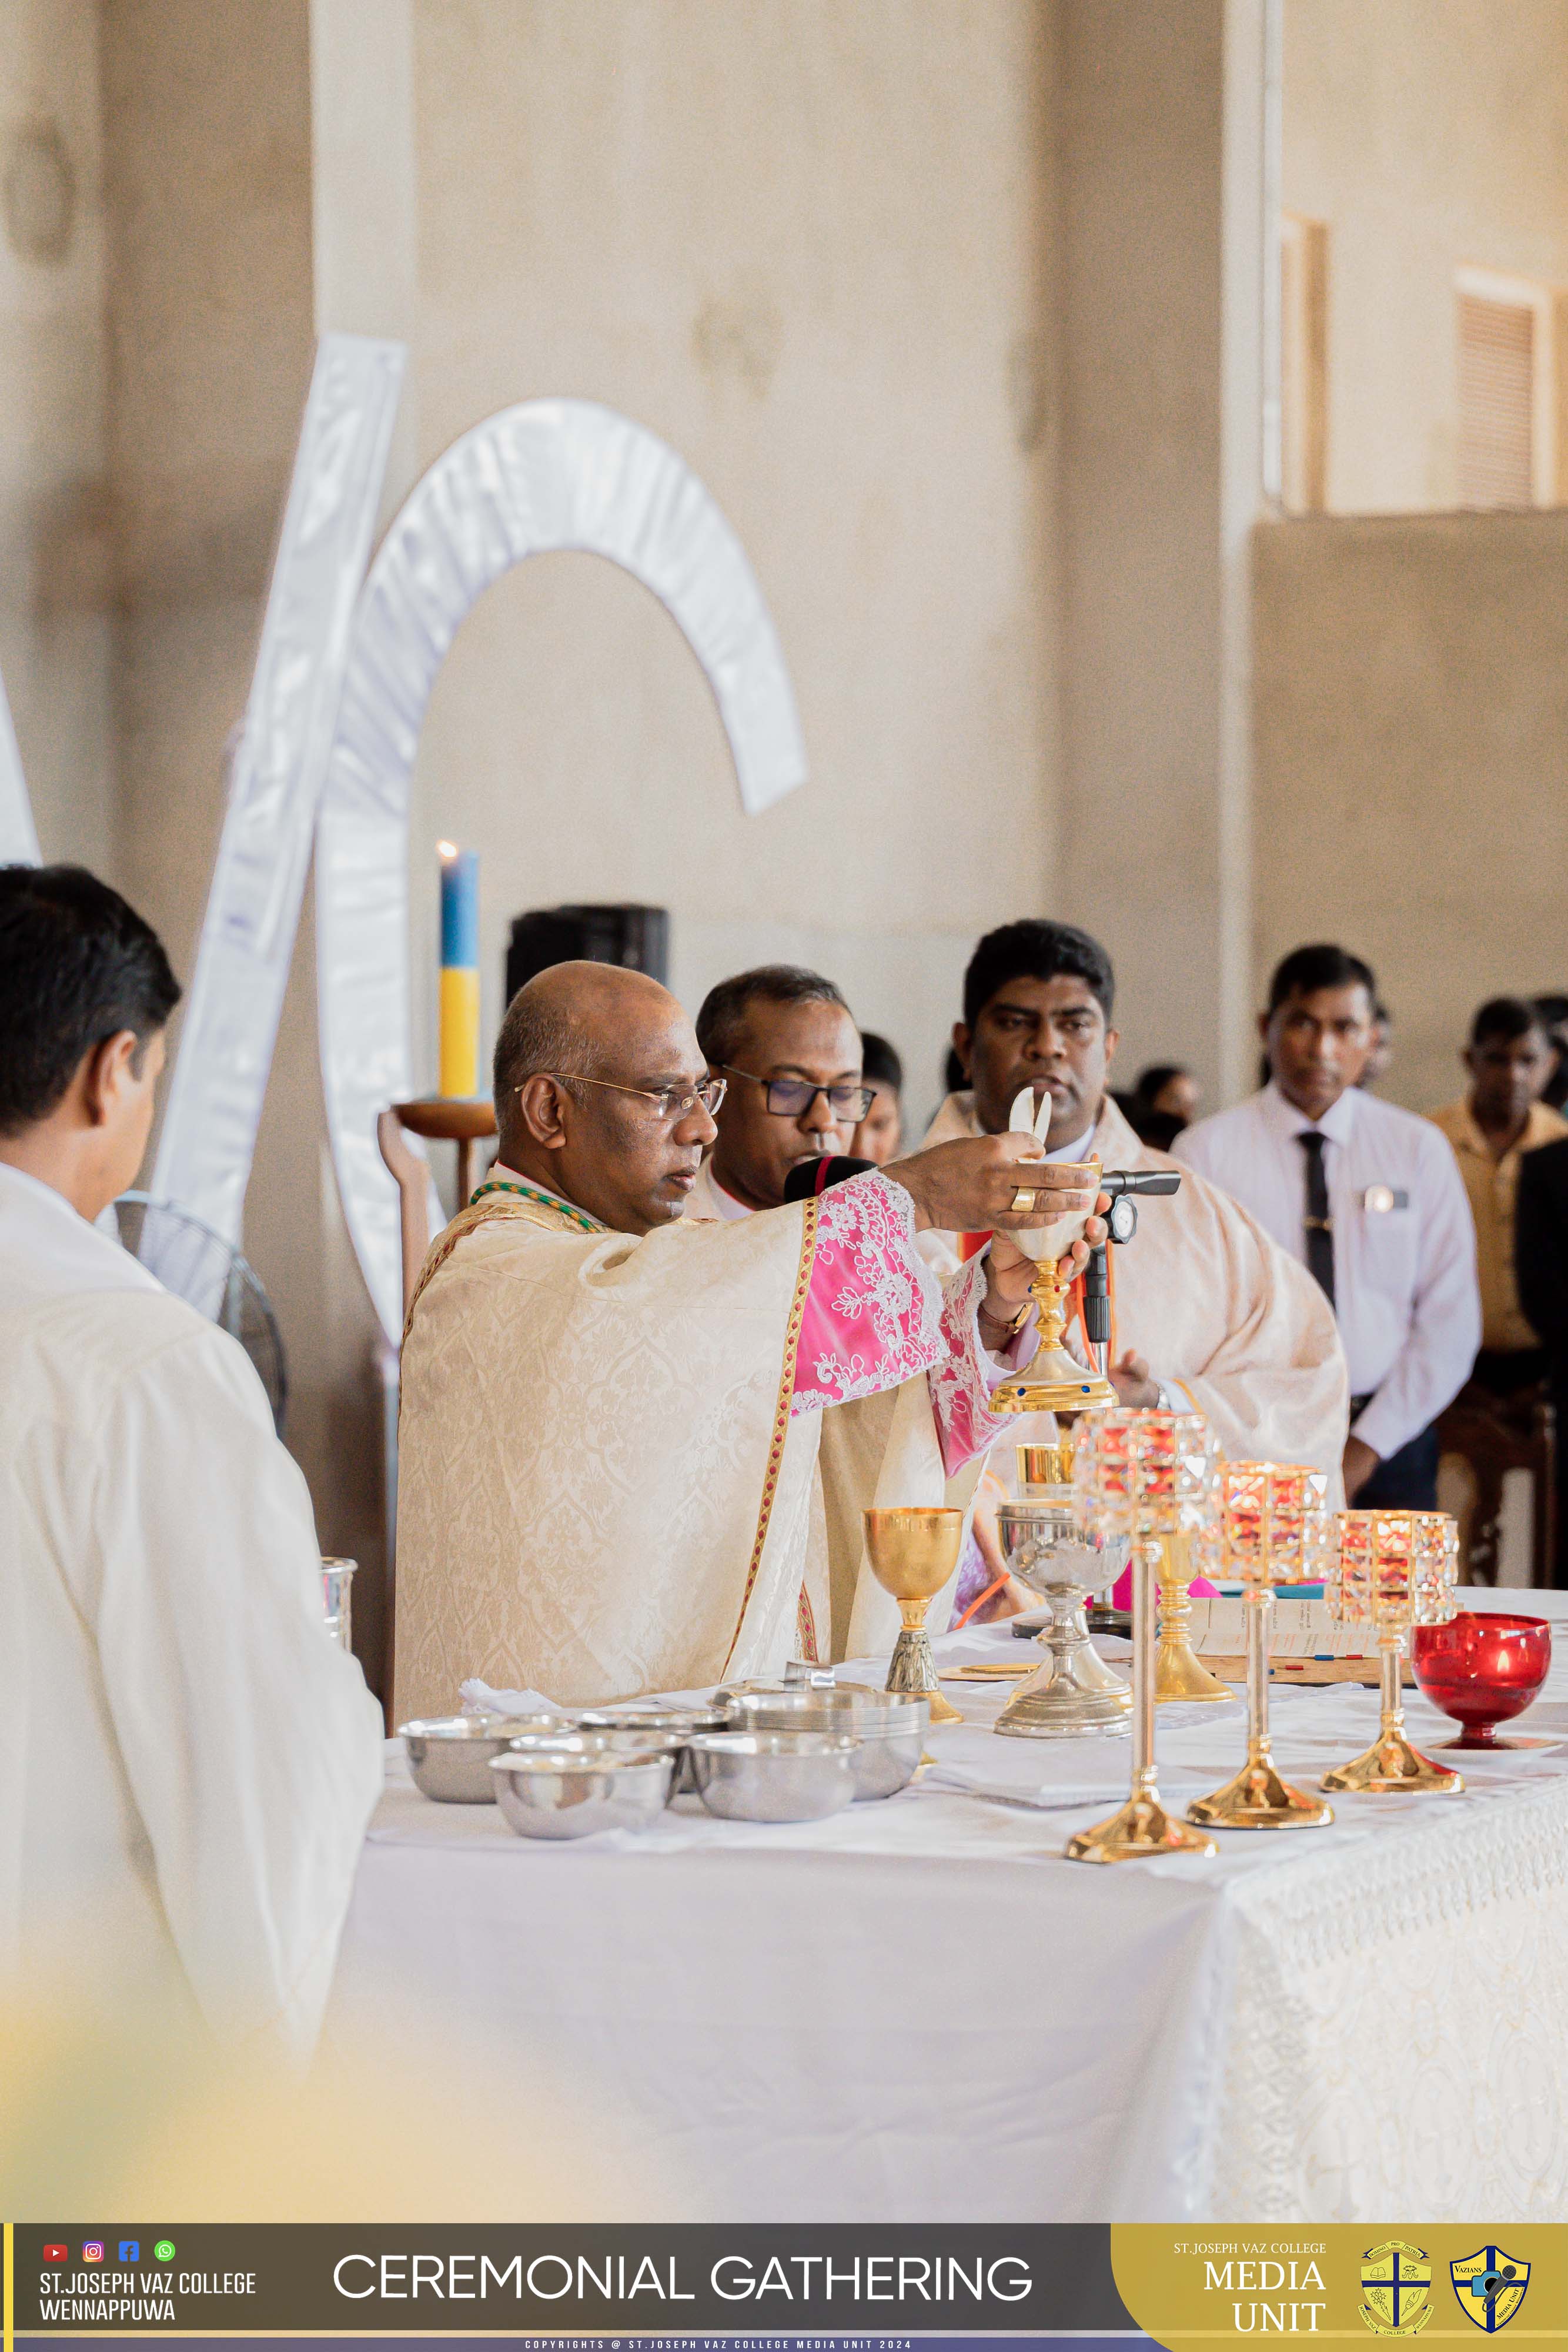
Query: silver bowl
678 1722
890 1726
774 1776
574 1796
450 1755
570 1741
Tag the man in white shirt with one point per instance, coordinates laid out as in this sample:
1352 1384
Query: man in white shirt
187 1759
1369 1199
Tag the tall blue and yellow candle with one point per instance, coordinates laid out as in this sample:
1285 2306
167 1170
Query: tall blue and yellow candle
459 969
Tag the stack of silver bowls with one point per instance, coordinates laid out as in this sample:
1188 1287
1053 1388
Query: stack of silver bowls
889 1727
775 1776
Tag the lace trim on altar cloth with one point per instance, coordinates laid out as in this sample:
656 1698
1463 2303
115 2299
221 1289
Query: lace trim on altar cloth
874 1311
1393 2038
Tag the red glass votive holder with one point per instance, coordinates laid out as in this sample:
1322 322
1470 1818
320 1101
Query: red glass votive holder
1481 1669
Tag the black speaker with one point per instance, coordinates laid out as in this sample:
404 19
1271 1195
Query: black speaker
636 936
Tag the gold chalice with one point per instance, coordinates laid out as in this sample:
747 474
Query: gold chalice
1392 1569
1274 1527
1052 1380
913 1553
1151 1478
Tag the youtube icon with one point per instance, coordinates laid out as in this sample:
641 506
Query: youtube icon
56 2253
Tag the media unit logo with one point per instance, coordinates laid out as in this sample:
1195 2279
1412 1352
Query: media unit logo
1489 2286
1395 2289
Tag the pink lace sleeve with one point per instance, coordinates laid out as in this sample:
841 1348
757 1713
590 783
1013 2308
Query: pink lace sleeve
962 1385
874 1315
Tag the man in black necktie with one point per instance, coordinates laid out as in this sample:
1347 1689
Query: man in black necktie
1369 1198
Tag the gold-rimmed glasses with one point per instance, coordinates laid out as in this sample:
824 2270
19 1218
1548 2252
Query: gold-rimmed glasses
675 1103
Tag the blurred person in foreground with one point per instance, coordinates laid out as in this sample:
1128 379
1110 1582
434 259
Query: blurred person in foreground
1211 1315
636 1442
879 1135
187 1761
1491 1127
1367 1197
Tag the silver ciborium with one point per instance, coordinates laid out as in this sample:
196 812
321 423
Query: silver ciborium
1049 1548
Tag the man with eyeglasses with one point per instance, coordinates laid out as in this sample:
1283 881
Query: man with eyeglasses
635 1445
783 1040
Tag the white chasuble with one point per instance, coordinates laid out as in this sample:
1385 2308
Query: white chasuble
608 1482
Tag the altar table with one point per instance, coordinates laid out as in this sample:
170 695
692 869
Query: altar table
918 2011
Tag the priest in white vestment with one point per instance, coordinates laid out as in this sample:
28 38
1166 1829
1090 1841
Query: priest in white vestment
188 1760
635 1448
1210 1313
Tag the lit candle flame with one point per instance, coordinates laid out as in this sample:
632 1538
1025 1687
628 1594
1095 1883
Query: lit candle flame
447 849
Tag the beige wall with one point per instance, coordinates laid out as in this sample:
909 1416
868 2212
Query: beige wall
1412 710
810 247
1427 133
55 650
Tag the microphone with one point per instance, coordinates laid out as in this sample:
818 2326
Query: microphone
810 1177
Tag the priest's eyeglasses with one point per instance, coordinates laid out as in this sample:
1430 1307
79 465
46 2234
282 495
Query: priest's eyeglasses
675 1103
794 1098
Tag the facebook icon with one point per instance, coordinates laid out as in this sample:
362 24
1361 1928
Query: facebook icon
130 2250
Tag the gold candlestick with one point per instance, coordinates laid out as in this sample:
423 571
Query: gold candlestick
1177 1672
1273 1529
1392 1569
912 1554
1150 1476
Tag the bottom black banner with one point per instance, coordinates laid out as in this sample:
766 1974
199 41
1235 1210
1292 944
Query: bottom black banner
677 2284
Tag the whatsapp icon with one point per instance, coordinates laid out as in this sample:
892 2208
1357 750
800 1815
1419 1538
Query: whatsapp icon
163 2251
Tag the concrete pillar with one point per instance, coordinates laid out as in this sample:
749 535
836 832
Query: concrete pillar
259 160
1163 285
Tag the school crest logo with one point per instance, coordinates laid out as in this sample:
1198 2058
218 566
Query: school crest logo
1395 2289
1490 2285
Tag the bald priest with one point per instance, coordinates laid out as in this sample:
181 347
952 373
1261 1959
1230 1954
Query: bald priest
635 1448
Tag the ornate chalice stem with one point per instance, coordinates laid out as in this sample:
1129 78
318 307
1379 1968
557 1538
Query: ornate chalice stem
1258 1798
1143 1826
1391 1762
913 1667
1177 1673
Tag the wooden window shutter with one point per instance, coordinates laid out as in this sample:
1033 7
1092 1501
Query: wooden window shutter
1498 363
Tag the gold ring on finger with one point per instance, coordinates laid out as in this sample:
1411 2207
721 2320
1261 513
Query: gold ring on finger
1023 1202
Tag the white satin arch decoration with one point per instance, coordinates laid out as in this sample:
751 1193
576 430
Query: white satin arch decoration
275 768
544 476
18 841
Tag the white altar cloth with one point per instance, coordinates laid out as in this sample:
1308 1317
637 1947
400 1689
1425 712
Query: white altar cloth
918 2011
